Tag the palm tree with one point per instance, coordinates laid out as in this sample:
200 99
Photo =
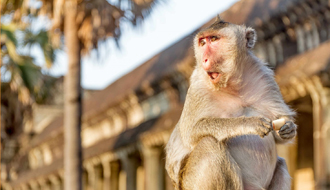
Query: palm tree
86 24
19 68
72 102
22 80
24 74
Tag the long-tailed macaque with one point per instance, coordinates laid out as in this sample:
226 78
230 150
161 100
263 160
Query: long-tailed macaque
224 139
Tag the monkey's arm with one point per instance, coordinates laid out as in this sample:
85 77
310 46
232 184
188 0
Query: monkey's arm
224 128
175 154
273 104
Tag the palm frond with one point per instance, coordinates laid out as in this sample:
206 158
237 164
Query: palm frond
7 33
30 73
100 19
42 39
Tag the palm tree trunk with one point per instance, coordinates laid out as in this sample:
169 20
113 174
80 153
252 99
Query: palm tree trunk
72 102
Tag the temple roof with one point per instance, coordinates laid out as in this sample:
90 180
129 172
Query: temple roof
167 61
310 63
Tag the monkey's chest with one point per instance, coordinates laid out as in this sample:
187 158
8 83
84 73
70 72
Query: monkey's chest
256 158
225 108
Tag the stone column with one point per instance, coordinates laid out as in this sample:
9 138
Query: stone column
85 179
154 177
114 175
325 133
23 187
130 166
98 169
56 182
45 184
91 176
34 185
106 175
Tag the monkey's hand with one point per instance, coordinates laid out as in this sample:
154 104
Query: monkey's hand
288 130
263 126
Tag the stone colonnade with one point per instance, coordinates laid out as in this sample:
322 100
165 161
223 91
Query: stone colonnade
133 170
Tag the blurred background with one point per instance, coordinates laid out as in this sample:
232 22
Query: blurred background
136 59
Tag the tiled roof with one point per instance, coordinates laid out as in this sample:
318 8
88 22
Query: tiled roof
309 63
166 61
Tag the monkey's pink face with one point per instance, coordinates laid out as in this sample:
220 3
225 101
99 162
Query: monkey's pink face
212 55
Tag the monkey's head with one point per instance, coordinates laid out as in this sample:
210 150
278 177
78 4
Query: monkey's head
220 51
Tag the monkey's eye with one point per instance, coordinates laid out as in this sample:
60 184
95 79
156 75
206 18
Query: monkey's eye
202 42
214 38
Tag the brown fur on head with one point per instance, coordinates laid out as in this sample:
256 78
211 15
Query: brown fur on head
220 51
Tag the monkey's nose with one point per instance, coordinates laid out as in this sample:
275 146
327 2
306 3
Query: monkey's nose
206 65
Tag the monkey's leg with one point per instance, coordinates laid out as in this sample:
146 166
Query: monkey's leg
281 179
211 167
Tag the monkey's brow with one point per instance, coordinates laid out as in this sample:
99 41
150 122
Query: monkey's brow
206 33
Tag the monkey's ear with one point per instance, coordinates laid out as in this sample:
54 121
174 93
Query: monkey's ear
218 18
251 37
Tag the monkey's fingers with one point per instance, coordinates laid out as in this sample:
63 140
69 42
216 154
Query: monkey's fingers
289 135
288 130
264 127
288 127
267 123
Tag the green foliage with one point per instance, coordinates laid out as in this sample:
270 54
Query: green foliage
42 39
25 76
7 31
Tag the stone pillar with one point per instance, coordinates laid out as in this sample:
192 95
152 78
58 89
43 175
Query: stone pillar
106 175
326 132
98 169
152 168
34 185
85 179
314 86
130 166
23 187
114 175
300 39
45 184
56 182
91 176
140 178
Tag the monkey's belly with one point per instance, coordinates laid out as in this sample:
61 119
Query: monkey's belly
256 158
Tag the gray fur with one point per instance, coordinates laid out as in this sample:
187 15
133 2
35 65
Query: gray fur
224 139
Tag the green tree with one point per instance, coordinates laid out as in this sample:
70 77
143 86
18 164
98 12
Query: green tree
18 66
22 81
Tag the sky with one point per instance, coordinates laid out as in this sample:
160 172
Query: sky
169 22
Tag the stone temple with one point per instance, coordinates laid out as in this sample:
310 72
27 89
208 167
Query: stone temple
126 126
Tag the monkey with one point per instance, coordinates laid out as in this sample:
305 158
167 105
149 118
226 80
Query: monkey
224 138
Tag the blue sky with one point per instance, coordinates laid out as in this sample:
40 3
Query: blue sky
168 23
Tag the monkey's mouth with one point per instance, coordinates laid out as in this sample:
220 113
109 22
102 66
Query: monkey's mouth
214 76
